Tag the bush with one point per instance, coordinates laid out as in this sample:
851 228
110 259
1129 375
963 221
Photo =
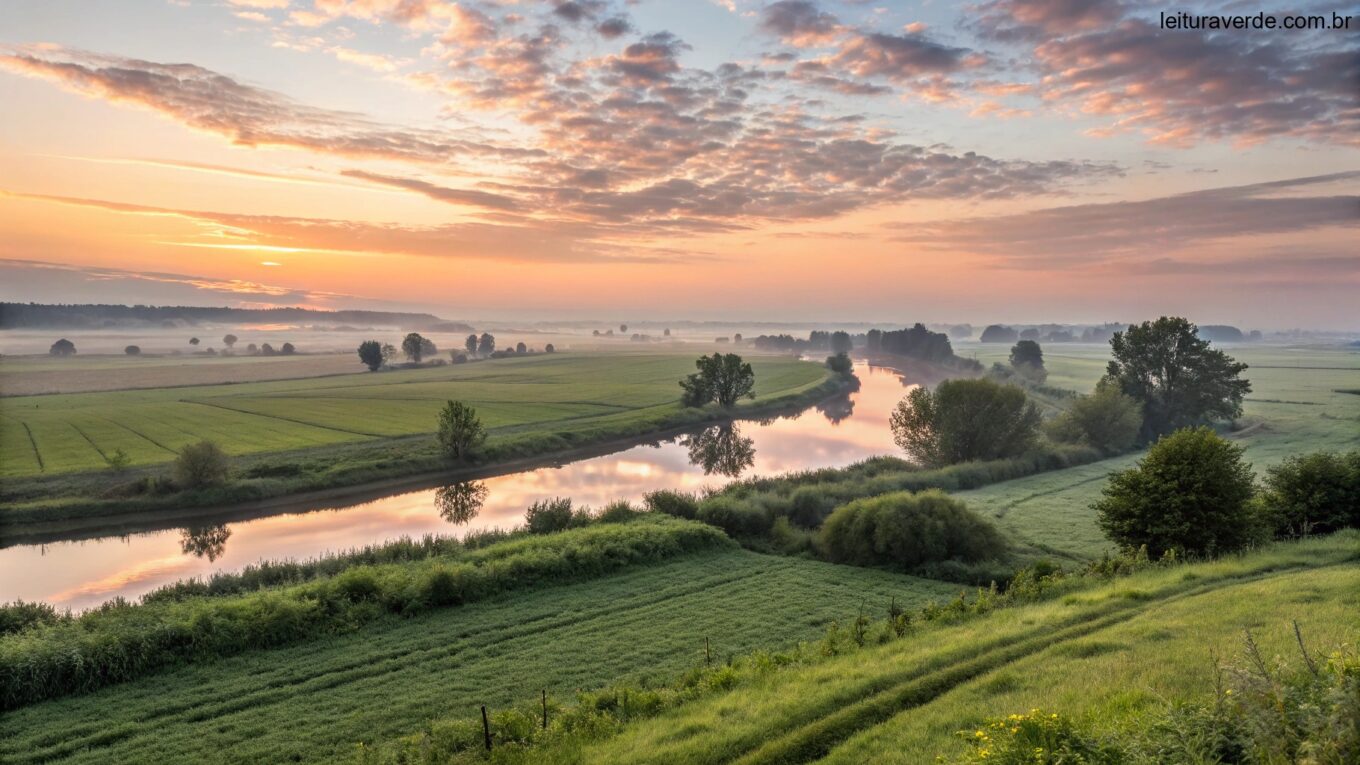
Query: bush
200 465
548 515
617 512
1314 493
904 531
19 616
809 507
677 503
1190 493
1107 420
461 432
736 518
133 350
965 420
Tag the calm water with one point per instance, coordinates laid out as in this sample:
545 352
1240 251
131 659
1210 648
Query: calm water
80 574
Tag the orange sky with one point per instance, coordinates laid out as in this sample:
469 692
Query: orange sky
804 161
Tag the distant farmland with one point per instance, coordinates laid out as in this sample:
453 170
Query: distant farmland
74 432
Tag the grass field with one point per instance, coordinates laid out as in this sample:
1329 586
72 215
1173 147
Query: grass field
1296 406
62 433
29 375
1107 653
313 702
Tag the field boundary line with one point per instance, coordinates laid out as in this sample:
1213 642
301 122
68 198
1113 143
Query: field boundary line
89 441
284 419
129 429
33 443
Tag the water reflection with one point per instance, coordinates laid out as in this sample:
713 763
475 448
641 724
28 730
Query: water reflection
459 503
204 541
81 574
721 449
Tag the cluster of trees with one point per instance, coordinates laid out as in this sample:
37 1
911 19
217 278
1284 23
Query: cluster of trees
722 377
1048 333
417 348
965 420
916 342
1193 493
64 347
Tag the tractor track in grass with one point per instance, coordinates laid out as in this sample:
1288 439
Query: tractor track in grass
142 436
463 648
817 737
283 419
31 442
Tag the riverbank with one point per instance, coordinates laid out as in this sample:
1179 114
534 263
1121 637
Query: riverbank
34 511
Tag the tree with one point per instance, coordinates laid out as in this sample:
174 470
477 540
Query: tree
458 357
722 377
1190 493
623 329
841 343
132 350
1314 493
1107 420
1177 377
963 420
840 364
287 349
389 352
471 345
62 347
251 349
486 344
229 340
737 338
998 333
413 345
193 341
666 332
1027 359
371 354
200 465
265 350
521 348
428 348
549 348
460 430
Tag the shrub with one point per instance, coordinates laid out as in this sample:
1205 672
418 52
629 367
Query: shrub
548 515
118 460
1107 420
617 512
1190 493
964 420
677 503
133 350
809 507
735 517
904 531
1036 738
1317 492
200 465
18 616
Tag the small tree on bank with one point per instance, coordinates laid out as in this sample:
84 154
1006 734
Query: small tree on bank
460 432
963 420
371 354
200 465
722 377
1191 493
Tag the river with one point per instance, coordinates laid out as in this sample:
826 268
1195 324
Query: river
84 573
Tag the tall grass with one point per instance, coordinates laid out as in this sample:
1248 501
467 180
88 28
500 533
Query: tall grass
121 640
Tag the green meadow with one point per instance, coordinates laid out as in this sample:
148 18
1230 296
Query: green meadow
64 433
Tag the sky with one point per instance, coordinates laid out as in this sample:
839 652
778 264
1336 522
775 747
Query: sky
808 160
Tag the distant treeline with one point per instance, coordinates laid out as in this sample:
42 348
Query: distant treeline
35 315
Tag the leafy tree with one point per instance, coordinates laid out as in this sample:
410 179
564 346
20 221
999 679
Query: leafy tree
905 530
998 333
486 344
963 420
287 349
1179 379
666 332
471 345
428 348
370 353
265 350
461 432
1027 359
722 377
623 328
1314 493
193 341
229 340
413 345
252 349
199 465
521 348
458 358
1107 420
737 338
841 343
840 364
549 348
389 352
1191 493
62 347
133 350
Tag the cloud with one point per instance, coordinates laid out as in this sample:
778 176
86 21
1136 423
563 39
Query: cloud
800 23
1118 230
470 197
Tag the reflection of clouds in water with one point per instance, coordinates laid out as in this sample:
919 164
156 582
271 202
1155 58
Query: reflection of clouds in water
86 573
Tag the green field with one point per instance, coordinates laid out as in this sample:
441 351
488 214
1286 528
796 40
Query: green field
1295 407
63 433
1105 654
313 702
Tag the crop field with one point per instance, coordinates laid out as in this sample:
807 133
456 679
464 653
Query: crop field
1296 406
74 432
313 702
1103 654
